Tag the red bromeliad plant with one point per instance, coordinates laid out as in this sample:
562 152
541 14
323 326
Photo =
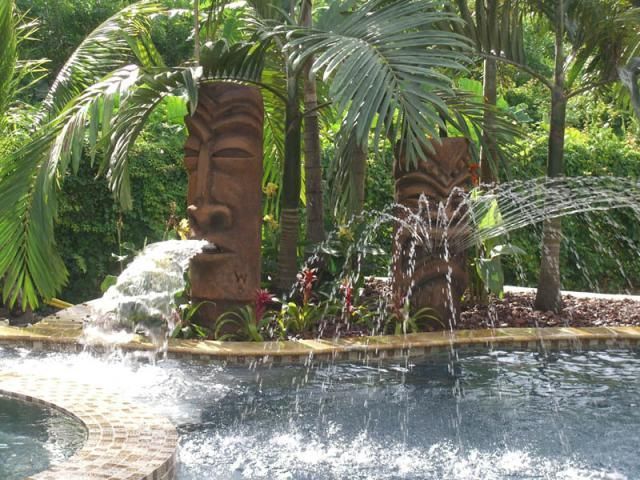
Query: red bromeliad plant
474 170
263 299
306 278
347 289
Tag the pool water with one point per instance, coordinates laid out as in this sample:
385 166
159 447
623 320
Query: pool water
32 438
465 414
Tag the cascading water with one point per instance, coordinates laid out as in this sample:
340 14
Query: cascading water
142 297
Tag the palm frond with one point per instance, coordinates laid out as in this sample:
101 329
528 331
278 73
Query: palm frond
271 11
343 191
134 110
274 125
604 34
118 41
466 114
385 62
495 26
242 61
29 180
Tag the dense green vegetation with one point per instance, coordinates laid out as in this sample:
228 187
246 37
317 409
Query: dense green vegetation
93 232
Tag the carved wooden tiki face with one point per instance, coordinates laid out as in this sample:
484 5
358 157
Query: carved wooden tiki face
223 157
433 194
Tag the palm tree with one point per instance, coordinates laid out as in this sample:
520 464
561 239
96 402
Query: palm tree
79 102
401 49
599 44
592 39
312 151
16 75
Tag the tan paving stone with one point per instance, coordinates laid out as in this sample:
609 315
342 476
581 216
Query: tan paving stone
114 430
67 338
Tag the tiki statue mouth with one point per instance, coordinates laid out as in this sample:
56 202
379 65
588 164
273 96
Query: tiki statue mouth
212 249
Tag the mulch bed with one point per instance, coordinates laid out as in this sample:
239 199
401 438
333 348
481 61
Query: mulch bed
516 310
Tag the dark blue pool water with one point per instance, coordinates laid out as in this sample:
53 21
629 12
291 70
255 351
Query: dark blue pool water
470 414
32 438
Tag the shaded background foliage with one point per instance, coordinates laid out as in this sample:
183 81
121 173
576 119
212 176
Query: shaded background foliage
91 229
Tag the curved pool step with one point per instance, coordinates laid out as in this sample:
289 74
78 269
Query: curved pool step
124 441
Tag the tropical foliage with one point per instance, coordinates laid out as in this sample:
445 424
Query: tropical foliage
111 102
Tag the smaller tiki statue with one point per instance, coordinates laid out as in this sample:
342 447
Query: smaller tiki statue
429 262
223 158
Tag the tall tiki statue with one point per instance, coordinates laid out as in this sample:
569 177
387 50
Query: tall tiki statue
223 158
429 264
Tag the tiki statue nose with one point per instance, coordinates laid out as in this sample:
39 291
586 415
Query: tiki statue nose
207 219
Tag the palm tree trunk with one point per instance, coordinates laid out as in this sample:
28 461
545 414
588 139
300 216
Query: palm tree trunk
196 30
312 152
489 154
359 166
289 221
548 296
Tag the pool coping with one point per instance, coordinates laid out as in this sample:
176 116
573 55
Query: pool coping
64 331
124 441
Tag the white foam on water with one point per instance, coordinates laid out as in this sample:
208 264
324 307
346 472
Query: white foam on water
143 295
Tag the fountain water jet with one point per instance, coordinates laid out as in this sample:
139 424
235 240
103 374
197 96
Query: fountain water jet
143 295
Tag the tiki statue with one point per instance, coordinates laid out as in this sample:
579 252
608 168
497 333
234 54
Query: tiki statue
429 263
223 158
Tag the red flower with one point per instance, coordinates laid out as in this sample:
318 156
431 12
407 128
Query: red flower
263 299
307 278
473 170
347 289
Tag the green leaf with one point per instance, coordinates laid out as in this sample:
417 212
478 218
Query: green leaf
491 273
384 62
176 109
109 281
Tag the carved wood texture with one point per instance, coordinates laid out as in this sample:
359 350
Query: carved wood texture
431 220
223 158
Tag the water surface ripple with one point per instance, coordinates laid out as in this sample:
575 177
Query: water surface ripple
468 414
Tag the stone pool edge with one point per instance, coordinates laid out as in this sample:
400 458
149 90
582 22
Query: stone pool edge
124 441
54 335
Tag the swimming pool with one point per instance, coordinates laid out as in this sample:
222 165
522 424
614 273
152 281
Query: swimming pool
33 437
462 414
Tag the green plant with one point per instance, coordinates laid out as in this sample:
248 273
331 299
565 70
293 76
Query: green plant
244 324
401 320
350 251
184 312
489 267
108 282
296 319
488 262
351 310
185 327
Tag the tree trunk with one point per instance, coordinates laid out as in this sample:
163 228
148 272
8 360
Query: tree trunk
312 151
548 296
196 30
289 221
359 166
287 254
489 154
